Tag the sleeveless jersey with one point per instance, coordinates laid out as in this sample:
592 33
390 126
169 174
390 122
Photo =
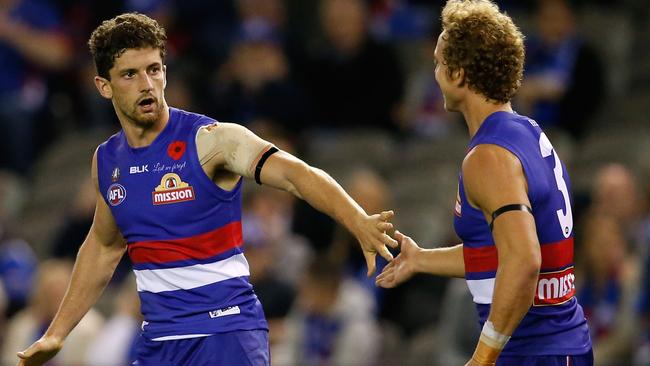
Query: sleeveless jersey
183 233
555 323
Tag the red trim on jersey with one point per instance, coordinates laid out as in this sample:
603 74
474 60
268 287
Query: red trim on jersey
484 259
557 255
200 246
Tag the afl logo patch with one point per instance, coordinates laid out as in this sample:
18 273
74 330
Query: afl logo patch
116 194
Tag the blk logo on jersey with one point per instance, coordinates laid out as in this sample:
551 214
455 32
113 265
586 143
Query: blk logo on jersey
172 190
116 194
139 169
554 288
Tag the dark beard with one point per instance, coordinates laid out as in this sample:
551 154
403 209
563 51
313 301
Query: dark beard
145 121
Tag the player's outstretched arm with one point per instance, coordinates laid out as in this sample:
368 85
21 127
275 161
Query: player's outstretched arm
96 261
412 259
494 178
236 149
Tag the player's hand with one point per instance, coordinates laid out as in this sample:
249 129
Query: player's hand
403 266
372 236
40 351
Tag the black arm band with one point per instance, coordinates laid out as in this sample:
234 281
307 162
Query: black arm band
506 208
260 164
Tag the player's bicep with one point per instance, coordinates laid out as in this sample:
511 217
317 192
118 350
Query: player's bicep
231 147
283 171
494 179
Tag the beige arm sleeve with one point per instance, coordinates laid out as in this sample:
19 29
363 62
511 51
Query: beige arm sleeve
234 147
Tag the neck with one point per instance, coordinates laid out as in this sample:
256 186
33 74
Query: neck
138 135
476 109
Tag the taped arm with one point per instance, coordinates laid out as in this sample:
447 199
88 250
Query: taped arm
231 147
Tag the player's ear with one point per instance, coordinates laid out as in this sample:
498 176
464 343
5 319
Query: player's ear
458 77
164 69
104 87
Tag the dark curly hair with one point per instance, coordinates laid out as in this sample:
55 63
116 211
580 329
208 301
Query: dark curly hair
486 44
126 31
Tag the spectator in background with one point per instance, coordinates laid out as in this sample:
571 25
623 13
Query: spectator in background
17 259
402 19
267 215
371 192
616 193
255 81
564 80
76 223
3 310
607 289
271 12
29 324
31 43
331 323
115 343
424 110
642 353
17 268
265 250
351 80
74 230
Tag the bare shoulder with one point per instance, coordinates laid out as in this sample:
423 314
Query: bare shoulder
493 176
486 159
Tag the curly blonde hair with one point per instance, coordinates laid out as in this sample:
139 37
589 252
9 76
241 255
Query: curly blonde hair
486 44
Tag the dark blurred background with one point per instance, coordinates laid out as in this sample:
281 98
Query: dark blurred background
348 86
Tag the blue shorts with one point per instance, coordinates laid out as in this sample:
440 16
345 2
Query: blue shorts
244 347
580 360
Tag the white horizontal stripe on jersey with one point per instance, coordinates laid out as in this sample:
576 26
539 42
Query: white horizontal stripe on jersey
481 290
184 336
185 278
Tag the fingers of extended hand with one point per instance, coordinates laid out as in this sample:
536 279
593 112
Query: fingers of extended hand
385 279
399 236
383 251
387 215
29 351
384 226
370 261
386 239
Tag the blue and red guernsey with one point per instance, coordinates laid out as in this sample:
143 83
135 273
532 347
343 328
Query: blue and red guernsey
183 232
555 323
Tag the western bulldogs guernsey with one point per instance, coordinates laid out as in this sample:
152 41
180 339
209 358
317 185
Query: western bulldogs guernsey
555 324
183 232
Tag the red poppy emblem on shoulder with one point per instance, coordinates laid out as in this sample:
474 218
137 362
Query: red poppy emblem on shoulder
176 149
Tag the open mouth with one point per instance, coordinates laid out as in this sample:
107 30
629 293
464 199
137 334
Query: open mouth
147 102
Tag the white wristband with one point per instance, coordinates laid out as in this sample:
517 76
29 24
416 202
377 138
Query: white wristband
492 338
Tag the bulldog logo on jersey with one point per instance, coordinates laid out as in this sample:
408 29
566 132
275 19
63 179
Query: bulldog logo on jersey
115 175
116 194
172 190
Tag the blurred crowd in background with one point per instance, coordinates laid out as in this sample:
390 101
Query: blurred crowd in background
348 86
